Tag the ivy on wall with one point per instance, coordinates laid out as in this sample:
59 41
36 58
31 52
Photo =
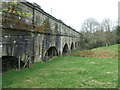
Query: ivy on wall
16 16
14 12
12 8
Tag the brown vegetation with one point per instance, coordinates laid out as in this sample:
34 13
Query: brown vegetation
101 53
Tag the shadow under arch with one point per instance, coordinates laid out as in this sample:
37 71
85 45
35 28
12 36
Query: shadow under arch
10 62
65 49
51 52
72 46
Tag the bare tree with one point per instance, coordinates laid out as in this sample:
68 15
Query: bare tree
96 35
107 28
88 29
90 25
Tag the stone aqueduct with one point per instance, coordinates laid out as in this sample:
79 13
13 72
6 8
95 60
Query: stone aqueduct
28 30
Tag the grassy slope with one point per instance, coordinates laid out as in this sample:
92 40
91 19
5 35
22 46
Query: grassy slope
101 52
66 72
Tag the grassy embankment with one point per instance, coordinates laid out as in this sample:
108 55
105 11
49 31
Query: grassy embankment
98 68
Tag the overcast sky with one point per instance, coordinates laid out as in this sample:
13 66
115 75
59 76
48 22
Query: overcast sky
74 12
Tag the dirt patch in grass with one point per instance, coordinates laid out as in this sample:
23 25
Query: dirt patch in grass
105 53
100 53
83 53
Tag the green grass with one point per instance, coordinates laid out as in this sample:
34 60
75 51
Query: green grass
0 80
66 72
113 48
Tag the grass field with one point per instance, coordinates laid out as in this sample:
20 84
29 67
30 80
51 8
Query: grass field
69 72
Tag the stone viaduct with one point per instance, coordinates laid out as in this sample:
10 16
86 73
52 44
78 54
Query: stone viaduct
27 30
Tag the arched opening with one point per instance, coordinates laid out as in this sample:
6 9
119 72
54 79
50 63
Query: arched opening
51 52
72 46
65 49
10 62
76 44
79 43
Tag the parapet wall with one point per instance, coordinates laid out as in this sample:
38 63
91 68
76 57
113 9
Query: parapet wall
27 16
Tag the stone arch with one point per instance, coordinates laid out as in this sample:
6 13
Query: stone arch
52 51
65 49
76 44
72 46
79 43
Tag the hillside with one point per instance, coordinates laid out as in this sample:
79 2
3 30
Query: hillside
101 52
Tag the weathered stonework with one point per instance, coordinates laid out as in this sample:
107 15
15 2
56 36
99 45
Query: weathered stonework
28 30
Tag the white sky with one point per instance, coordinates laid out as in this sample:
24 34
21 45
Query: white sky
74 12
